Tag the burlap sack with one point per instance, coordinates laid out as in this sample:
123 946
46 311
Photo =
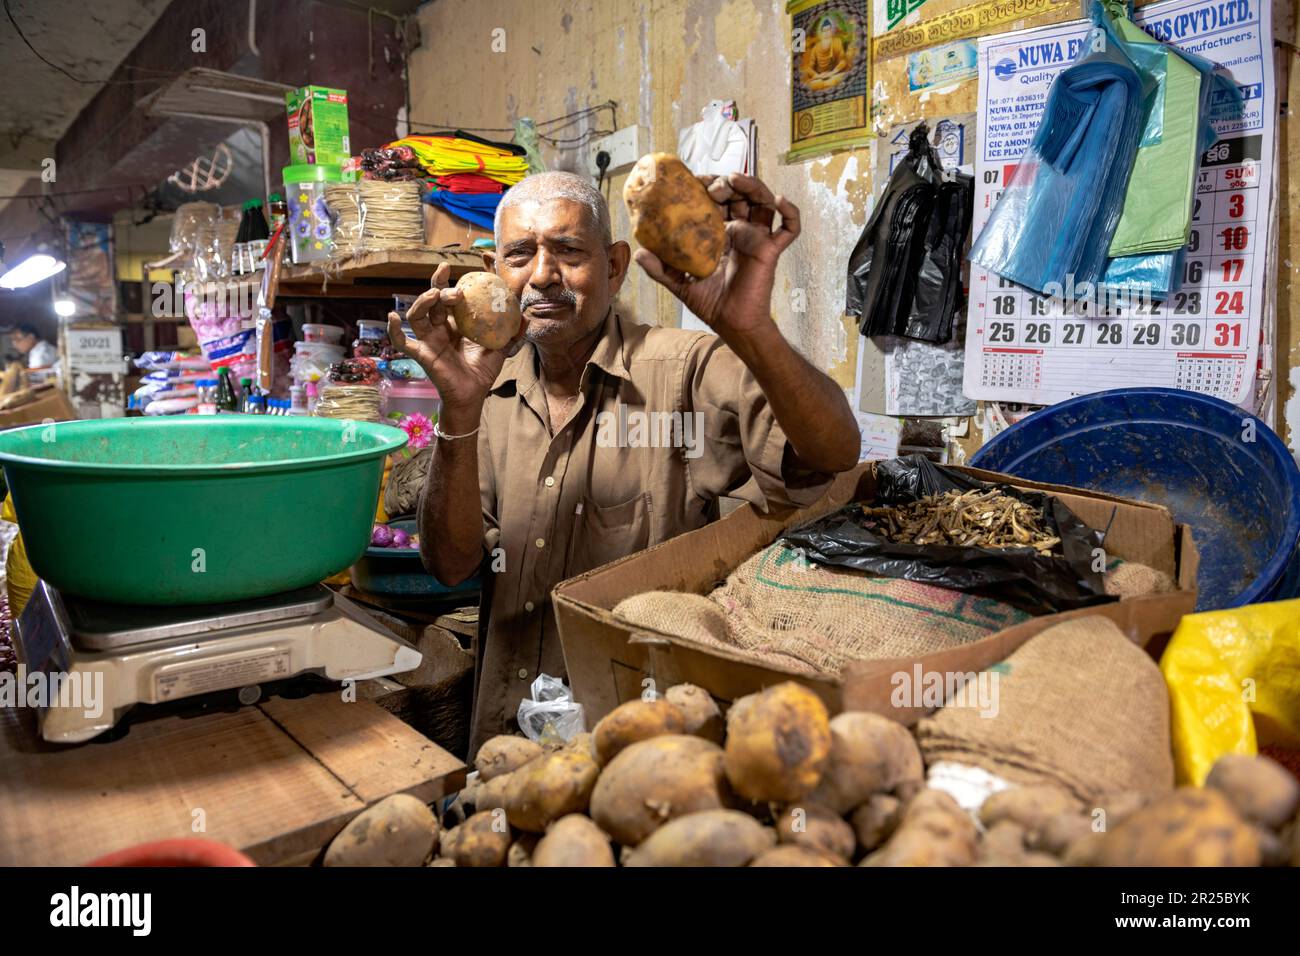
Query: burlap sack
695 618
1127 579
1079 706
814 619
780 607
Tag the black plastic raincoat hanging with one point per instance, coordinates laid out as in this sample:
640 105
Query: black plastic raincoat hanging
905 271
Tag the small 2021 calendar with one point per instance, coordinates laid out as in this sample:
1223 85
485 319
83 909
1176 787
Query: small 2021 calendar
1024 347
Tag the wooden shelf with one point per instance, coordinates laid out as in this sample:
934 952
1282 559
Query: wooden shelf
375 274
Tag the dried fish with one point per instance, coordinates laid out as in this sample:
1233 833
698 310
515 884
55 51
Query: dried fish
970 519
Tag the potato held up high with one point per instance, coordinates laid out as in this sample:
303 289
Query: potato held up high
489 312
673 216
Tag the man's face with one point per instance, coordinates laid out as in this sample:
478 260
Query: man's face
552 256
24 342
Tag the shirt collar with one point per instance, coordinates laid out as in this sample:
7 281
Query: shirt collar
521 368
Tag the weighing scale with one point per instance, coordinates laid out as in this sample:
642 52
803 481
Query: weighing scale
100 659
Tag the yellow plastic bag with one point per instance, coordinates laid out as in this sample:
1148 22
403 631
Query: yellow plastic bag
1233 675
20 579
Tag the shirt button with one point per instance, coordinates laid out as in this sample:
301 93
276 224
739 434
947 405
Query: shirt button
523 673
550 481
528 605
540 542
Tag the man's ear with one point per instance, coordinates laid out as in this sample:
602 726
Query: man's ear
489 260
620 254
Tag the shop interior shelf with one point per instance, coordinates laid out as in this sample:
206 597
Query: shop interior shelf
378 273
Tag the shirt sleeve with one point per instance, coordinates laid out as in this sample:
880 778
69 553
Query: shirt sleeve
743 451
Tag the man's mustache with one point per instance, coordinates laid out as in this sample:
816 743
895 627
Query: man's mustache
563 297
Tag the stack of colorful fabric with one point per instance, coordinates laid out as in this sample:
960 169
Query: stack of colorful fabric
446 154
468 173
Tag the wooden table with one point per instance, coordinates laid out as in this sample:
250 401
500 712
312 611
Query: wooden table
277 780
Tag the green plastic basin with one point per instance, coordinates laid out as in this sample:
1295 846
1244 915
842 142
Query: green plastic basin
194 509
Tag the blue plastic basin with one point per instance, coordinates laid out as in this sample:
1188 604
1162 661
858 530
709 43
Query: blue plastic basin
1186 451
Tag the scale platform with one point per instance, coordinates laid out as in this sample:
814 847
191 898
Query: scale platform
99 660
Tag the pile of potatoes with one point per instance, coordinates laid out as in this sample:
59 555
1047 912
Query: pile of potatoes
668 782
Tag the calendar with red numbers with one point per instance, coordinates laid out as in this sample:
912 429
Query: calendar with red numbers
1023 347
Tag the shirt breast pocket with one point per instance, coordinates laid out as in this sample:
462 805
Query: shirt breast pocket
602 534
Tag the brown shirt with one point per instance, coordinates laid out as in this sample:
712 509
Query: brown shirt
669 421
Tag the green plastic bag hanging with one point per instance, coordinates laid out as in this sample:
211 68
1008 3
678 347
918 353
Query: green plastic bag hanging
1158 205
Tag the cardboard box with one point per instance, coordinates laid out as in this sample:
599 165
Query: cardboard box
442 229
607 662
50 403
318 126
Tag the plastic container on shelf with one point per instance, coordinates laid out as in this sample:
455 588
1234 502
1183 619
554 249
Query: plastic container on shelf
311 229
171 406
372 339
312 360
329 334
409 398
207 395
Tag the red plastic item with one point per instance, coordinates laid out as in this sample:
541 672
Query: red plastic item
190 851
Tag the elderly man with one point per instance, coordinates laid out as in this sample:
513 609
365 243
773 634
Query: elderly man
540 471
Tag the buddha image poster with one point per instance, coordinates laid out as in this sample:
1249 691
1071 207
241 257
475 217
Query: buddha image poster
829 106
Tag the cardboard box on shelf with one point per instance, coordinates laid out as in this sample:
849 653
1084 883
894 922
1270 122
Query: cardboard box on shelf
442 229
607 662
318 126
48 404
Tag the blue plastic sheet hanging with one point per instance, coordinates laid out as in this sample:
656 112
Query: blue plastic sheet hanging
1158 275
1053 225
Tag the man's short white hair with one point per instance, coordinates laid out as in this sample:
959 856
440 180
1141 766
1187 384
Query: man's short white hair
558 185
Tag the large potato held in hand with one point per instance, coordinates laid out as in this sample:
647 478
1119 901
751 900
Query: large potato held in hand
673 216
488 312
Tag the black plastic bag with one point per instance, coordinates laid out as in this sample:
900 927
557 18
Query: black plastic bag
939 294
889 246
904 275
1033 582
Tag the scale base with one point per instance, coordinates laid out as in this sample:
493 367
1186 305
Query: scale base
90 690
